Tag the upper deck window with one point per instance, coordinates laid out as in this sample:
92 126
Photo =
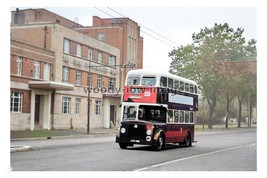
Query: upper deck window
163 81
191 88
170 82
133 80
176 84
181 86
148 81
187 87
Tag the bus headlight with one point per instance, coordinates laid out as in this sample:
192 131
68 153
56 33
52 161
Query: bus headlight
123 130
148 132
148 138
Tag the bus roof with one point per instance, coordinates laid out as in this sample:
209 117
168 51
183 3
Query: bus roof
145 72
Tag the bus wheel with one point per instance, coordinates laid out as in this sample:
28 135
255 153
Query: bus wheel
188 141
123 145
160 143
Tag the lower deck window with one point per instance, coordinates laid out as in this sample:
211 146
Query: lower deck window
179 116
157 114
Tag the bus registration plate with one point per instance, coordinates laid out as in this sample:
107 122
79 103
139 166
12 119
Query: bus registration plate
135 141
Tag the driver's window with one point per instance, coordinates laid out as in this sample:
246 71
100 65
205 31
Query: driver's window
129 112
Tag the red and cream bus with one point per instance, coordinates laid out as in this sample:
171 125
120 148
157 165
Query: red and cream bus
157 109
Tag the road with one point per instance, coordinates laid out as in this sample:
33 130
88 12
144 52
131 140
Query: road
232 150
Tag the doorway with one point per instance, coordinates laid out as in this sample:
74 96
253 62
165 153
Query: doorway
37 110
40 109
112 115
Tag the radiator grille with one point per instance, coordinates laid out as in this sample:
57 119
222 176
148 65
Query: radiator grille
136 131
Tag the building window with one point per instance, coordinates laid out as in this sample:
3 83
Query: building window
65 76
65 105
134 50
47 71
100 57
16 102
19 62
77 105
102 37
90 54
99 81
112 61
97 107
66 46
111 83
78 77
36 70
79 50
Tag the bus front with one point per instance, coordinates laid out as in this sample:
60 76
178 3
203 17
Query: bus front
142 124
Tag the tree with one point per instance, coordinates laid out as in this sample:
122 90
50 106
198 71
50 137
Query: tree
246 87
241 94
183 63
199 61
226 44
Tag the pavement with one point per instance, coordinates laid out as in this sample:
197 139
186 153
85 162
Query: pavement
55 134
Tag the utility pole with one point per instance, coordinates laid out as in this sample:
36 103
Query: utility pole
89 97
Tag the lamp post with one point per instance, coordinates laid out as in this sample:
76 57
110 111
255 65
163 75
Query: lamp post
89 97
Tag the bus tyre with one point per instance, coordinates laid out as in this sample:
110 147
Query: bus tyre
160 143
188 141
123 145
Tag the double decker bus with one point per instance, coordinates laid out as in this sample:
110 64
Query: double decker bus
157 109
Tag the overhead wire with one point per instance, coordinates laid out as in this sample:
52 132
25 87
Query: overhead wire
146 27
140 29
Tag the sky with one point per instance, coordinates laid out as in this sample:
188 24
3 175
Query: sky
166 28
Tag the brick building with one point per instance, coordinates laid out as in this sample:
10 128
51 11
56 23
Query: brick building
50 59
122 33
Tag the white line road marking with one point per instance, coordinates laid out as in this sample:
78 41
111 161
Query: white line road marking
191 157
